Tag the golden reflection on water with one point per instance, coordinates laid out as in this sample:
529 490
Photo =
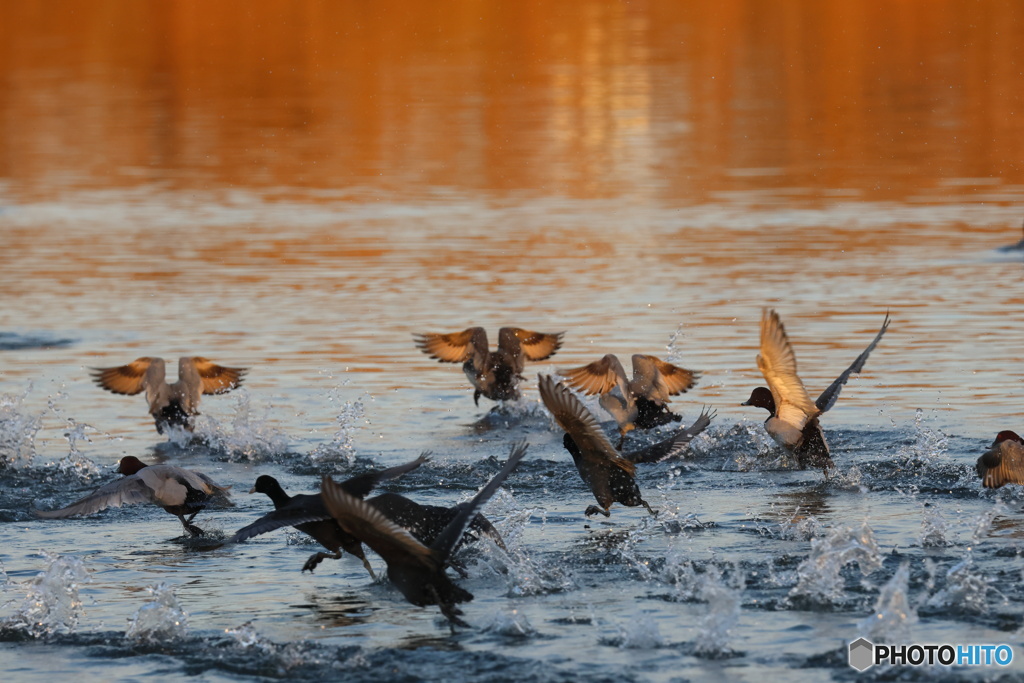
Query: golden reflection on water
679 101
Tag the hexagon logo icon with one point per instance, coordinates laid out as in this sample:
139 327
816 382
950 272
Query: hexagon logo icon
862 654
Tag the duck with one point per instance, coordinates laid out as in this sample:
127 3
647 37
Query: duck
494 375
639 403
610 477
415 568
177 490
793 419
170 404
307 513
1003 462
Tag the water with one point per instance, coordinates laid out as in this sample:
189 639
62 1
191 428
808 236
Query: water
300 192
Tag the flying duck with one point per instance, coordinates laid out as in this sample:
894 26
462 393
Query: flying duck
494 374
610 476
177 490
416 569
307 513
639 402
170 404
793 422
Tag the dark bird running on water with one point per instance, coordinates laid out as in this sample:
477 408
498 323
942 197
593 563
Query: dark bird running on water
170 404
1003 462
610 476
494 374
177 490
639 403
307 513
793 422
416 569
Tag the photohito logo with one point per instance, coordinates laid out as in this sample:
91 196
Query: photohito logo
865 654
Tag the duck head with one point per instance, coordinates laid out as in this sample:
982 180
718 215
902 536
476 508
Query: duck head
269 486
129 465
1006 435
761 397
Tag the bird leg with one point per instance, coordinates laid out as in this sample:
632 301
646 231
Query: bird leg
593 510
449 610
654 513
317 558
192 529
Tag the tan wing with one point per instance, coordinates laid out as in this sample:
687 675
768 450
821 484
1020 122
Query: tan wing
533 345
777 363
218 379
657 379
1010 469
124 491
369 525
580 424
452 348
124 379
599 377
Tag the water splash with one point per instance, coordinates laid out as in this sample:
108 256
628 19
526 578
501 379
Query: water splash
511 623
724 606
283 657
340 448
639 634
17 432
674 353
934 529
52 604
160 619
965 590
893 615
927 446
819 576
76 463
250 437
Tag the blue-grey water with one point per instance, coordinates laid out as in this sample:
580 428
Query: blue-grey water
308 234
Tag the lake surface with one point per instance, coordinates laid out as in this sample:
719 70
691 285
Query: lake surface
300 187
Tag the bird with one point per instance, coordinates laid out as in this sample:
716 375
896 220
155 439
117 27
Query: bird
793 422
177 490
639 402
170 404
1003 462
493 374
416 569
307 513
610 476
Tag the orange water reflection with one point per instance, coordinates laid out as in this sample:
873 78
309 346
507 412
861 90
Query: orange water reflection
676 101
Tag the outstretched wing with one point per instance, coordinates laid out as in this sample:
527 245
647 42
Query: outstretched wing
275 520
533 345
446 541
674 446
1002 464
829 396
124 379
657 379
777 363
361 486
217 379
598 377
580 424
125 491
453 348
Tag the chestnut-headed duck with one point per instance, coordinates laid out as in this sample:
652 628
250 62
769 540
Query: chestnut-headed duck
170 404
493 374
639 403
177 490
307 513
416 569
610 477
1003 462
793 422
